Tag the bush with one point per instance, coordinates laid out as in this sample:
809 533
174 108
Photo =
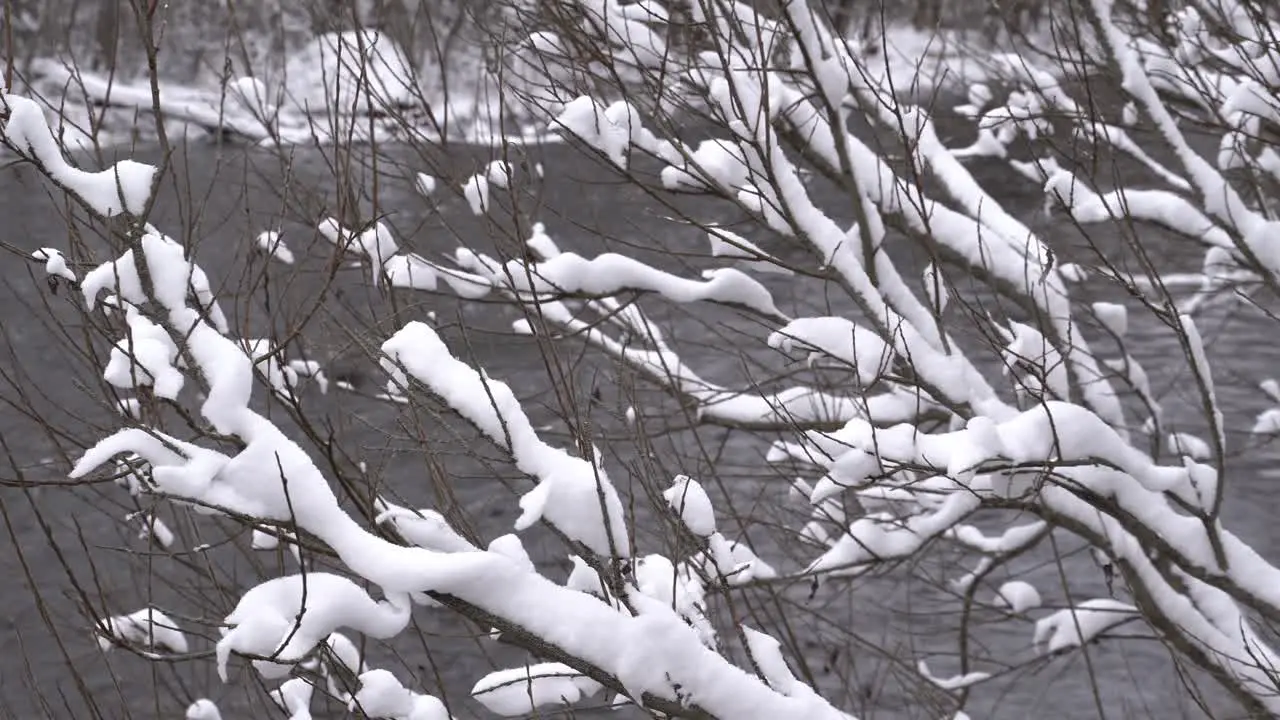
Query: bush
898 448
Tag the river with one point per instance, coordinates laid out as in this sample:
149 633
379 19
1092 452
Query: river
69 540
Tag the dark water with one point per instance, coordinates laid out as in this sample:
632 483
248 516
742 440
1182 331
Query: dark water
63 554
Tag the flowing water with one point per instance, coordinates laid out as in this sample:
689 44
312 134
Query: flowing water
67 559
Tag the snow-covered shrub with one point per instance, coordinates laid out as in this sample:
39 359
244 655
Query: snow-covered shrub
979 441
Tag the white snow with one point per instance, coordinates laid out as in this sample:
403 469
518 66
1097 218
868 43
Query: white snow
1019 596
692 505
124 187
294 698
263 540
935 288
375 244
55 264
498 173
715 163
611 273
520 691
269 540
570 492
381 695
1161 207
661 649
678 589
915 486
840 339
152 528
203 709
145 358
1221 199
130 408
424 528
251 95
286 617
610 130
584 578
1184 443
1028 348
309 369
743 565
766 651
280 377
957 682
476 191
510 546
148 629
1113 316
725 243
344 660
542 245
1203 374
272 245
1069 628
425 184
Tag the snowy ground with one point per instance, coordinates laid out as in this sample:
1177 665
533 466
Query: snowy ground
311 99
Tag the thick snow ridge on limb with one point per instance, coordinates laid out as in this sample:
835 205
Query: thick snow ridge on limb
660 650
285 618
123 188
987 238
797 405
840 339
520 691
1256 233
1053 432
653 653
610 274
1060 451
570 490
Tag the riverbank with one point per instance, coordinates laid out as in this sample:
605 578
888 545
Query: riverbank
312 98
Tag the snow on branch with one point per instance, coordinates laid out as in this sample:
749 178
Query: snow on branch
382 696
1051 433
840 339
284 619
611 274
950 375
1252 230
660 655
294 698
520 691
725 243
1156 206
987 237
1073 627
148 629
956 682
1068 459
795 406
123 188
564 274
571 491
738 92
